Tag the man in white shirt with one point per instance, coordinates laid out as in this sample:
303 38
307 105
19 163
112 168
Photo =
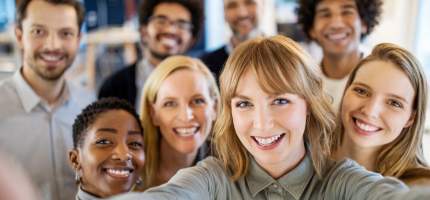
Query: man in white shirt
38 106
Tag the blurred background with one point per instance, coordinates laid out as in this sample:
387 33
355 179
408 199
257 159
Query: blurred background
111 40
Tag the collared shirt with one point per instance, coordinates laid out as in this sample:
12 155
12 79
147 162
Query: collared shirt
143 70
344 180
39 136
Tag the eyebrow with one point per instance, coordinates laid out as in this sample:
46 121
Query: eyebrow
389 94
108 130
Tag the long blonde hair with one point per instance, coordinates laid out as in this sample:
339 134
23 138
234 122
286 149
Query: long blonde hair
280 66
406 151
152 85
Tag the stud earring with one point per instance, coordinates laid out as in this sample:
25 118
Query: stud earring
77 177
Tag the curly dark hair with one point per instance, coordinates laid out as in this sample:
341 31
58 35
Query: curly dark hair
21 10
89 115
193 6
369 11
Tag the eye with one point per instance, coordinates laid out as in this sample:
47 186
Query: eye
169 104
135 145
361 91
103 142
199 101
67 34
37 32
281 101
395 103
242 104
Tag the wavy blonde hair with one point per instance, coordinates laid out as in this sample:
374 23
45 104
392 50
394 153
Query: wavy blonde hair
150 90
280 66
406 151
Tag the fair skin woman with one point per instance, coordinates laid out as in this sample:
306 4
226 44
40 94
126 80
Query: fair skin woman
272 137
179 108
382 116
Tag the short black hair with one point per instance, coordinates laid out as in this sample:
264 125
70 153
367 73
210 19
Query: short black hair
21 10
193 6
89 115
369 11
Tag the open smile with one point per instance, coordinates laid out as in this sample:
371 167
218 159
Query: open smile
268 142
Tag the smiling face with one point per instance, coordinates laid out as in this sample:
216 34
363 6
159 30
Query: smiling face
376 108
270 127
48 44
184 111
111 157
337 26
241 15
166 33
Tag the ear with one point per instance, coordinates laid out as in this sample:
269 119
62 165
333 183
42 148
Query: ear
313 34
143 34
154 117
364 28
74 159
411 120
18 35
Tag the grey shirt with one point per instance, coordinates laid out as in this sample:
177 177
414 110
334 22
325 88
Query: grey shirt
344 180
39 136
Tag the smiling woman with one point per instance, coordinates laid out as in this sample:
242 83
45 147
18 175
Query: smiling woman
108 153
272 137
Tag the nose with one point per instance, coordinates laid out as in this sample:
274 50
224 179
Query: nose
53 42
336 21
121 152
372 107
242 11
186 113
263 119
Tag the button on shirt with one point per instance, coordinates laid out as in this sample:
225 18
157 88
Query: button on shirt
39 136
344 180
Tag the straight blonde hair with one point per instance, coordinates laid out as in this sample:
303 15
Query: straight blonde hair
280 66
152 136
406 151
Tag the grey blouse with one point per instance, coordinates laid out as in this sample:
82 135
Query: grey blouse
345 180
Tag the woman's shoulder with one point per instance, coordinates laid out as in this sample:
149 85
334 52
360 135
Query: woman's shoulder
419 176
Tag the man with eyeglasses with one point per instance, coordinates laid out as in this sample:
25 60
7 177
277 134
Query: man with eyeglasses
242 17
167 27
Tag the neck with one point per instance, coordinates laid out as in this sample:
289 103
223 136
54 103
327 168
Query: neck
363 156
171 161
48 90
338 67
153 60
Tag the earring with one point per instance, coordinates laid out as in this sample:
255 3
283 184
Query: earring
77 177
139 181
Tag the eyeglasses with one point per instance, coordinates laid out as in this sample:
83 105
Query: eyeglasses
162 21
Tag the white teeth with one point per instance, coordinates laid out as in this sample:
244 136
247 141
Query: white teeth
168 41
337 36
119 172
51 57
186 131
366 127
266 141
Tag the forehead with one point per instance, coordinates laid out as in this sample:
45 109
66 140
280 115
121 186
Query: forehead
51 15
172 10
336 4
184 82
394 79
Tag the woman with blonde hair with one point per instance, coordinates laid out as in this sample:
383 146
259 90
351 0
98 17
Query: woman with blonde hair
272 137
179 106
382 116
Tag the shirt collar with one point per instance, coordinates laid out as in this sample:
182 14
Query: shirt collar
294 182
29 99
144 68
82 195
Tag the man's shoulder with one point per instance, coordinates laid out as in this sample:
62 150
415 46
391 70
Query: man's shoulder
215 54
124 74
9 95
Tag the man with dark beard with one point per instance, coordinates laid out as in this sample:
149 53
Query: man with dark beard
167 27
242 18
37 105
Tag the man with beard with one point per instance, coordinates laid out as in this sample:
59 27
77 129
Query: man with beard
242 17
37 105
167 27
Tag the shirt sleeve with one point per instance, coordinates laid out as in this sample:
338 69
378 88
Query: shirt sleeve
351 181
206 180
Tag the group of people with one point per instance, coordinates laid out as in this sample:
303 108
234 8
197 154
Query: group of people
282 125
